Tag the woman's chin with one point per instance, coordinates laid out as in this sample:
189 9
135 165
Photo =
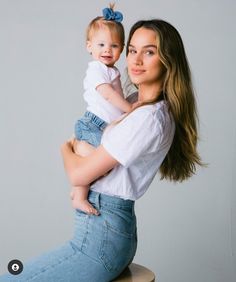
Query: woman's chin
135 80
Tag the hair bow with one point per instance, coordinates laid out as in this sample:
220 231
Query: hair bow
110 15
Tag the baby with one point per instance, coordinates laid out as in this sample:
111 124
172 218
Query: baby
103 92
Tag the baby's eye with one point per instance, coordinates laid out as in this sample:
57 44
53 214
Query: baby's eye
115 46
101 44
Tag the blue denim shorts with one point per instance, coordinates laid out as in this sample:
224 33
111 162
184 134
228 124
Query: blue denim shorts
90 128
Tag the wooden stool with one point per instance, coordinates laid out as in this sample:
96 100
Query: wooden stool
136 273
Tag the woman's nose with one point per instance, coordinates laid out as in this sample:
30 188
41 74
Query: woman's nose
138 59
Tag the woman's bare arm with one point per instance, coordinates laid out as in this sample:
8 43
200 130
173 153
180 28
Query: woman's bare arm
84 170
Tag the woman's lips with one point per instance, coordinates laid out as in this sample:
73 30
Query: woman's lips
137 71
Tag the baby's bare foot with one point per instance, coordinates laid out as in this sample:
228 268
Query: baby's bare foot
84 206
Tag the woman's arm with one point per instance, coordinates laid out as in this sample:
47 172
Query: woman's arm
84 170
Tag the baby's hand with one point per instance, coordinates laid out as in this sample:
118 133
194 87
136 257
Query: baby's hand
135 105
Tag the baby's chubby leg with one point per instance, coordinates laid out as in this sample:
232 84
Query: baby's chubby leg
79 200
82 148
79 194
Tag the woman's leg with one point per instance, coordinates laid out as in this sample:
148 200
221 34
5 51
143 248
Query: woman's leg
101 248
65 264
109 238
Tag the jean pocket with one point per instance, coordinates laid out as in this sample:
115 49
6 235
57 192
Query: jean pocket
117 248
81 229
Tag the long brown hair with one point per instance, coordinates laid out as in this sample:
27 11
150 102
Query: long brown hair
182 158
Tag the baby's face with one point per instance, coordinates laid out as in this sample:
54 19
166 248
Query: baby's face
105 47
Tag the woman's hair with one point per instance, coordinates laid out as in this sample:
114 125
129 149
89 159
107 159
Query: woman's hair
113 26
182 158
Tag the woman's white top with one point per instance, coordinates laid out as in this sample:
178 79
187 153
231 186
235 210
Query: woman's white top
98 73
139 143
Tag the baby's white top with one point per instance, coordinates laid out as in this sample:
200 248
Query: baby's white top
139 143
97 74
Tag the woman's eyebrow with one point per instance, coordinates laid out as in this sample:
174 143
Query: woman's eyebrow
146 46
150 45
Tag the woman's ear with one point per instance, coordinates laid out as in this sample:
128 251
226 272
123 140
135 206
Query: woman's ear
88 46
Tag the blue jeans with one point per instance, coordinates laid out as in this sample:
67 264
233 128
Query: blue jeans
89 128
100 250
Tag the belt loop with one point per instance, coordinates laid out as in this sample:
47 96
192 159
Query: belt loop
133 211
97 200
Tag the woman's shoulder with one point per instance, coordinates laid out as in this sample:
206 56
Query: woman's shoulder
156 115
155 110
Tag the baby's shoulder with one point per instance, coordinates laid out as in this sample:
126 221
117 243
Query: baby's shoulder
99 66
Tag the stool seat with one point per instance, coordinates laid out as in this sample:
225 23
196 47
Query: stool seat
136 273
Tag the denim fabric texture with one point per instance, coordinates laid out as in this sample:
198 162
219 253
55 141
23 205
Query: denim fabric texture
101 248
90 128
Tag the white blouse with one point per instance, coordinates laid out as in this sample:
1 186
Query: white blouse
139 143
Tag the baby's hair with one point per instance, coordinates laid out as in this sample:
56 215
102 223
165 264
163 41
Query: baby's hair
112 6
113 26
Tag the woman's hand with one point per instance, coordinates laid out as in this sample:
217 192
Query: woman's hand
74 143
67 146
82 171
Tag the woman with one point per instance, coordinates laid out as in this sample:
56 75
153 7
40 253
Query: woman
160 134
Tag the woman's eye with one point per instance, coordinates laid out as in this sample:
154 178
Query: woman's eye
149 52
132 51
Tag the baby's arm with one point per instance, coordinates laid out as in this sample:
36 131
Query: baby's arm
114 97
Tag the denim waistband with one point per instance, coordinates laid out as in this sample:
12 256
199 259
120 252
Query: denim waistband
103 199
96 120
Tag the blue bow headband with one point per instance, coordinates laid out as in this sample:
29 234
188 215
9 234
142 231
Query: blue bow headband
110 15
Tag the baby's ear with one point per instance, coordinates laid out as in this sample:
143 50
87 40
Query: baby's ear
88 46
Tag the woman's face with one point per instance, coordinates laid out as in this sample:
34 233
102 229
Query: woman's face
143 60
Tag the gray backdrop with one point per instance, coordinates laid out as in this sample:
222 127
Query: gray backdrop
186 231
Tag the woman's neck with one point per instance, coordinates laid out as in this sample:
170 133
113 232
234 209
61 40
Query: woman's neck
148 93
